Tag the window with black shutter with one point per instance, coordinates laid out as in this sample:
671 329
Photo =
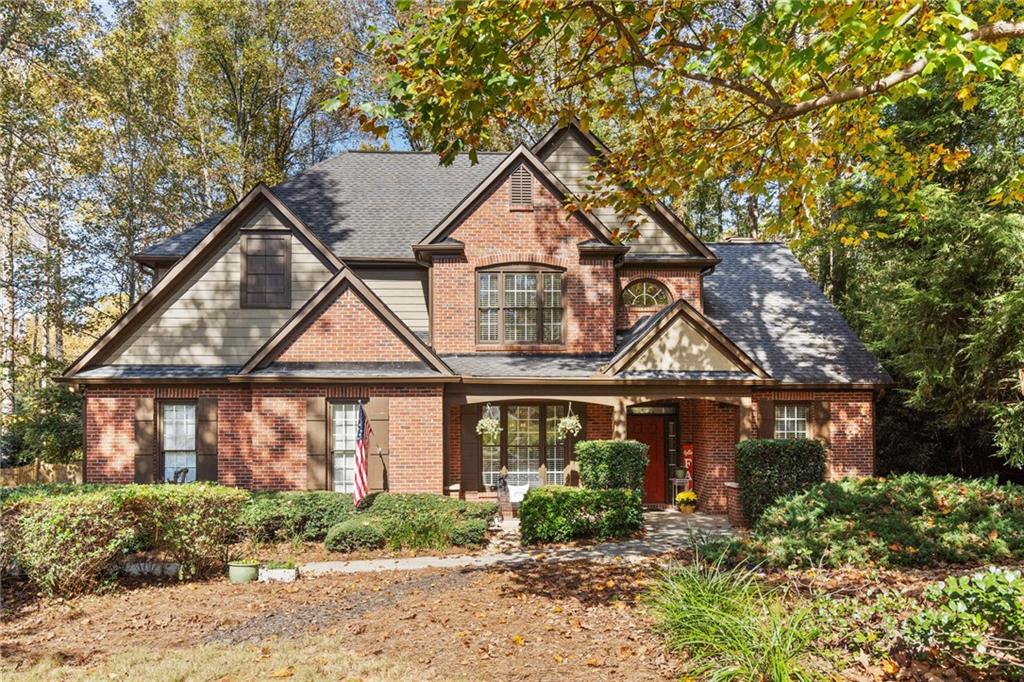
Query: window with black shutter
266 272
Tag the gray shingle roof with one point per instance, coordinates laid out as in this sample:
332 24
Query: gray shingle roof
366 204
763 299
524 365
340 370
158 372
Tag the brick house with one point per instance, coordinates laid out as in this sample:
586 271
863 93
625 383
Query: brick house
431 296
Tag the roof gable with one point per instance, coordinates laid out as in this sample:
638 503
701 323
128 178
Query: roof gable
521 156
679 339
566 150
181 275
345 312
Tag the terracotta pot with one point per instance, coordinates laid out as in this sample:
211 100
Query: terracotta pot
687 508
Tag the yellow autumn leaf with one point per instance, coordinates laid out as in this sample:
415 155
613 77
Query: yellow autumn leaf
881 213
283 672
518 640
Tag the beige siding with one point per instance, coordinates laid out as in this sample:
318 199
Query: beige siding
205 325
681 348
404 290
570 162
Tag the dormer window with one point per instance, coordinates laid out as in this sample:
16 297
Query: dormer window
266 272
520 195
518 305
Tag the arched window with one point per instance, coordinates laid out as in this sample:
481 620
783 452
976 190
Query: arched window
645 293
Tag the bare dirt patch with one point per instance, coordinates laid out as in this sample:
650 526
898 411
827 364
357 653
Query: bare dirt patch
574 620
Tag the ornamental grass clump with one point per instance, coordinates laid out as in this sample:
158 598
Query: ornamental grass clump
731 627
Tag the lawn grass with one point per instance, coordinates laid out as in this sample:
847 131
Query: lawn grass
306 658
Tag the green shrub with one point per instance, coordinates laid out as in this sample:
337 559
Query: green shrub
608 464
69 545
485 511
908 520
192 523
429 529
19 492
469 533
769 469
560 514
729 626
975 620
306 515
355 534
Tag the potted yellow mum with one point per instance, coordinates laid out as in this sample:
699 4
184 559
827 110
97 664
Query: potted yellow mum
687 501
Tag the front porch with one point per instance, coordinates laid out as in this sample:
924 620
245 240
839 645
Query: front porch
690 434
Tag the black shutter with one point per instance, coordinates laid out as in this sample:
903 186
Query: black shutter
472 477
378 450
206 439
316 443
145 439
820 417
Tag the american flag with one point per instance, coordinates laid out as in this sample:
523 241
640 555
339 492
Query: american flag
363 433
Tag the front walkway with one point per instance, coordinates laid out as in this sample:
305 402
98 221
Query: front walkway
666 531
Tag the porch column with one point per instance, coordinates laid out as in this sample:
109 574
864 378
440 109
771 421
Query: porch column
746 419
619 419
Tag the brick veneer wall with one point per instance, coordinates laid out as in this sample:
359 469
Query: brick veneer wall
261 435
714 453
598 422
347 331
851 451
494 235
680 283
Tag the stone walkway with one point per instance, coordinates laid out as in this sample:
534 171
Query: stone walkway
665 531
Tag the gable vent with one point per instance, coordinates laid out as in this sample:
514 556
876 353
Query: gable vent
520 194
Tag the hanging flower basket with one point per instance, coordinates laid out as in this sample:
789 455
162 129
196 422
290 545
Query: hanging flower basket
569 425
488 426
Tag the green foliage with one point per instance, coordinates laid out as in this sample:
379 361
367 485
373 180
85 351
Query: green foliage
423 520
19 492
355 534
47 425
86 532
469 533
975 620
908 520
191 524
69 545
607 464
768 469
863 623
560 514
730 627
306 515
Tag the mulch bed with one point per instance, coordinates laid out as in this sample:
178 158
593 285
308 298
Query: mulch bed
575 620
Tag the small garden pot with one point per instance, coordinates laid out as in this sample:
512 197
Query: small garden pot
687 508
243 571
278 575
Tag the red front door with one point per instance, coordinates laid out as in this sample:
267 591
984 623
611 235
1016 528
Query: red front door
650 429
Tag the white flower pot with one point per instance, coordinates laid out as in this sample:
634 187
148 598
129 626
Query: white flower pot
278 575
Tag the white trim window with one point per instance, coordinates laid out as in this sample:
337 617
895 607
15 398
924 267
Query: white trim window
179 442
790 421
523 444
344 423
555 452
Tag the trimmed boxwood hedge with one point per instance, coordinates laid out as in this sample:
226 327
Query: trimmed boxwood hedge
768 469
609 464
560 513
